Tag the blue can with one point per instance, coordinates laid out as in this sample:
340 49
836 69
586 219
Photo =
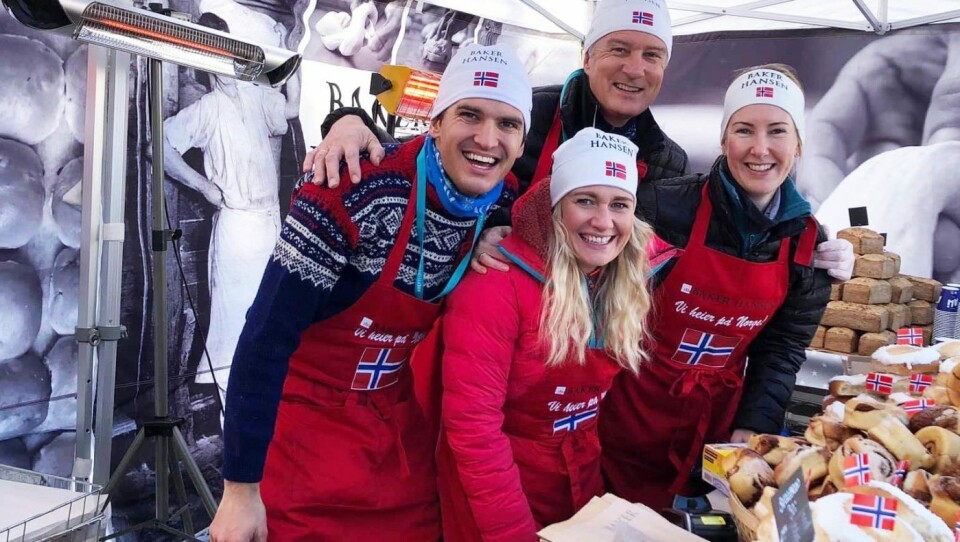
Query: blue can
949 299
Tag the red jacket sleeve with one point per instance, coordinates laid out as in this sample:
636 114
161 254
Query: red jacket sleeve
480 330
659 251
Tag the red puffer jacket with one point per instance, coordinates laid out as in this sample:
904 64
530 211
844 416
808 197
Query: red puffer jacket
518 447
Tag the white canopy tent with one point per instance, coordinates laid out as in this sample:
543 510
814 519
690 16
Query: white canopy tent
879 16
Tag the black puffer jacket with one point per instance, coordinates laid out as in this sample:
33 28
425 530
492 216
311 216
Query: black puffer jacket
663 156
776 354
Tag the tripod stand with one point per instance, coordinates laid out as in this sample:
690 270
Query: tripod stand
171 448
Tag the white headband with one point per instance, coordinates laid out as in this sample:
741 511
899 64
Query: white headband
764 86
593 158
492 72
648 16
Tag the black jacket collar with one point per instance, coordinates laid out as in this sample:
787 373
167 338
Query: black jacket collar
579 108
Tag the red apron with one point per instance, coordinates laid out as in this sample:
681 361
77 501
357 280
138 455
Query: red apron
350 457
709 309
550 144
553 433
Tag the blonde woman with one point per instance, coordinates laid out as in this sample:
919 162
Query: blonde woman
531 352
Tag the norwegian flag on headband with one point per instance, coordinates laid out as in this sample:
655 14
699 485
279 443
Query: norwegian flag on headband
917 405
616 169
910 335
880 383
643 17
856 470
764 92
920 382
874 511
486 79
900 473
705 349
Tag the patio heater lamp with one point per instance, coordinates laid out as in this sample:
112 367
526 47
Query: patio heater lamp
161 38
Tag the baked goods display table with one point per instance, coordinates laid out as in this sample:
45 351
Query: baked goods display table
880 461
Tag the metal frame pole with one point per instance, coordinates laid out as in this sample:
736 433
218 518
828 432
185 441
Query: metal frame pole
159 286
101 258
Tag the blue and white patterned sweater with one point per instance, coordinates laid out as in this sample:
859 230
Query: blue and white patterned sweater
332 246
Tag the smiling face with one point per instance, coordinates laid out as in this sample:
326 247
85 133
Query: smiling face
478 140
625 70
599 222
761 146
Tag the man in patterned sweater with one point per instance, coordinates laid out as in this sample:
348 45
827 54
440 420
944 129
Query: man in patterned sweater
323 438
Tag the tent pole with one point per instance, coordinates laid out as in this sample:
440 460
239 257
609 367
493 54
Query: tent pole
870 17
926 19
736 12
532 4
101 253
111 261
706 16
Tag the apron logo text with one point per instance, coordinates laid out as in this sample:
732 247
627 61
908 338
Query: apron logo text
736 303
697 313
389 338
558 406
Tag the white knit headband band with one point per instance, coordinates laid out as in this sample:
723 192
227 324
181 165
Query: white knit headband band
593 158
764 86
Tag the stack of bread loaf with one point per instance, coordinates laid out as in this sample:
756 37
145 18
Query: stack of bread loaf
865 312
901 422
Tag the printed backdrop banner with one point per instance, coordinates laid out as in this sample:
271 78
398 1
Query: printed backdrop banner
343 45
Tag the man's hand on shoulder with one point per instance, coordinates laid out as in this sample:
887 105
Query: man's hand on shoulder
348 137
486 255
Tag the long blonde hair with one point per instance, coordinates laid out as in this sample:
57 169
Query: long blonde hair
620 302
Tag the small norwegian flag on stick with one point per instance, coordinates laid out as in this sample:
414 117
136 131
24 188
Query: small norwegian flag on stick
874 511
917 405
879 382
900 473
920 382
910 335
956 529
856 470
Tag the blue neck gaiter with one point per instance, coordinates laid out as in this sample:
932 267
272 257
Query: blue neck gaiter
453 200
